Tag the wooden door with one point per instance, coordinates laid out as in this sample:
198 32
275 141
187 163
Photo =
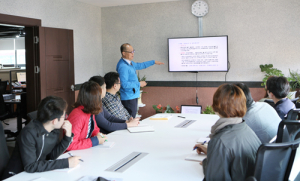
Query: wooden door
56 63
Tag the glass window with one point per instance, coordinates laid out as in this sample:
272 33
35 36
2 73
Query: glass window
21 56
7 57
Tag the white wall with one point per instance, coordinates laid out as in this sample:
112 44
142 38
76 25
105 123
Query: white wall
84 19
259 32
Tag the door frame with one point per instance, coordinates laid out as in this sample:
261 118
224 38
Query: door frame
32 90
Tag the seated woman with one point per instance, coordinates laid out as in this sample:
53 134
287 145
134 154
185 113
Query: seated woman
278 88
88 104
106 121
232 149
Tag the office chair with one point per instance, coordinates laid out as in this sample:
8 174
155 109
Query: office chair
32 115
251 179
288 130
4 155
3 85
274 161
292 114
4 114
270 102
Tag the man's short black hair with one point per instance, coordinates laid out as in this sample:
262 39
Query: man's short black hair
279 86
111 78
123 47
50 108
98 79
247 93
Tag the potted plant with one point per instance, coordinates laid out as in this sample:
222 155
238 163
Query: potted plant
208 110
294 80
269 71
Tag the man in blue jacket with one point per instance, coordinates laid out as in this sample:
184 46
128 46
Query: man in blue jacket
130 85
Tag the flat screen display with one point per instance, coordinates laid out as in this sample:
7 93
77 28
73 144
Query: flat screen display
191 109
199 54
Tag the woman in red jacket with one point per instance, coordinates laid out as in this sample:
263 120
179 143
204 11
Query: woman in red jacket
84 127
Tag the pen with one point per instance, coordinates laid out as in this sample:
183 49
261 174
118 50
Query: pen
73 156
197 147
102 136
180 116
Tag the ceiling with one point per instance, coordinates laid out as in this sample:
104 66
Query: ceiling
108 3
11 31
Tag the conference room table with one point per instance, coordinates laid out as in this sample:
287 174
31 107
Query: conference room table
167 148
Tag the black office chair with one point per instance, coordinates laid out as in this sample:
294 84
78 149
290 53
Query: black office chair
270 102
251 179
3 85
288 130
4 155
274 161
32 115
4 114
292 114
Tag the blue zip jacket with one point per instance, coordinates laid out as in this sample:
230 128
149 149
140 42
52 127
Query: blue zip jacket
130 85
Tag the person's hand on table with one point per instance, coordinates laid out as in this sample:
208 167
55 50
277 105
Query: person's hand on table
73 161
201 148
143 84
134 122
131 119
101 138
159 63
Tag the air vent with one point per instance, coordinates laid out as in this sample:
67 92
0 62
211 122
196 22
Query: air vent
126 162
185 124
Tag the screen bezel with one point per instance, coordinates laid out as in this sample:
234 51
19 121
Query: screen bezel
201 70
191 106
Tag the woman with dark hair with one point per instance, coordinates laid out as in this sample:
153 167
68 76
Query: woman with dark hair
233 145
88 104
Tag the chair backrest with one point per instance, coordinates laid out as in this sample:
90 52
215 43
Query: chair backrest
4 155
288 130
251 179
32 115
3 110
270 101
3 85
292 114
274 161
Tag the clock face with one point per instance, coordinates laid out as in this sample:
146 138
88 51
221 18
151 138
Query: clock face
199 8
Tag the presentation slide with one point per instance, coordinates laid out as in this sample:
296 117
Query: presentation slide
198 54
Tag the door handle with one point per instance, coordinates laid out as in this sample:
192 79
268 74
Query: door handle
72 87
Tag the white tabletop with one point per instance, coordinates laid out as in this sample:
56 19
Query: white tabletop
167 147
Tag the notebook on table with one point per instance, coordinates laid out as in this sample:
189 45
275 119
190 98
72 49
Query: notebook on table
194 156
161 117
139 129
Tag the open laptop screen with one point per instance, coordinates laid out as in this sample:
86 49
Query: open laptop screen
191 109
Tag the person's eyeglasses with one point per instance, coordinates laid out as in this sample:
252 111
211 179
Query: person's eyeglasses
130 52
119 83
65 117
